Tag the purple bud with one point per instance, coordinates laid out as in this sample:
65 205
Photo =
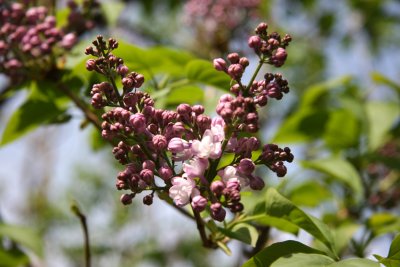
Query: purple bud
233 58
254 42
219 64
148 200
165 173
262 28
246 166
148 164
244 62
147 176
91 64
122 70
235 71
217 212
68 41
198 109
256 183
177 145
199 203
159 142
184 109
126 199
138 121
217 187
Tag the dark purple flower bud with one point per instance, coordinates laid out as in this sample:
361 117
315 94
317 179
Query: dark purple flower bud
128 83
199 203
138 122
203 122
256 183
126 199
122 69
148 200
217 187
148 164
165 173
184 109
262 28
246 166
233 185
219 64
217 212
233 58
159 142
147 176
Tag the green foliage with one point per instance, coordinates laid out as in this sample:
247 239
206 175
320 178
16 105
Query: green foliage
243 232
393 257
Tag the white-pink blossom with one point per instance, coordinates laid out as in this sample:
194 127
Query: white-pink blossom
217 129
207 148
196 167
181 190
230 173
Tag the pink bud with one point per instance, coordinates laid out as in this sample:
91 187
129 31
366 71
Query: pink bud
126 199
165 173
138 121
199 203
219 64
217 212
246 166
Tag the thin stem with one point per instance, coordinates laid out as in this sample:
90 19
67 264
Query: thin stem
202 231
255 73
82 218
90 115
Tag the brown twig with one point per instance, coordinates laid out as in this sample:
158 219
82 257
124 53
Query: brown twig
82 218
202 231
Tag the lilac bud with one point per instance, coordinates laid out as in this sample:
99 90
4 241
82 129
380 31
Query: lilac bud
262 28
244 62
138 121
217 212
68 41
254 42
126 199
148 164
217 187
246 166
219 64
165 173
198 109
122 70
159 142
256 183
199 203
233 58
184 109
235 71
147 176
91 64
177 145
148 200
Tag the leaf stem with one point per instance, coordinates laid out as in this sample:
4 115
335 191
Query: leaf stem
82 218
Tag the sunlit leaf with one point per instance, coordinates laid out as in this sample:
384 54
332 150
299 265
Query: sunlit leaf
268 255
278 206
381 117
244 232
12 258
23 236
382 223
202 71
309 194
340 170
187 94
302 259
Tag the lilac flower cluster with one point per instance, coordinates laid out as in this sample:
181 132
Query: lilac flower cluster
84 16
178 153
30 41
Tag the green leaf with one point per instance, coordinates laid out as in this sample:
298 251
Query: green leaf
186 94
202 71
12 258
387 262
316 260
268 255
309 194
112 11
281 207
342 130
32 114
381 117
24 236
340 170
278 223
394 251
242 231
301 259
381 79
383 223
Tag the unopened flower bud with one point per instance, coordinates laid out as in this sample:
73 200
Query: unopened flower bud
148 164
256 183
217 212
159 142
254 42
233 58
198 109
91 64
217 187
246 166
235 71
138 122
199 203
184 109
148 200
165 173
177 145
219 64
126 199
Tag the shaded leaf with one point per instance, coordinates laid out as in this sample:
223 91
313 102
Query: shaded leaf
278 223
301 259
309 194
281 207
186 94
12 258
340 170
268 255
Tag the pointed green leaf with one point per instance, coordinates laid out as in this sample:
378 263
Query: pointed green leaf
340 170
268 255
381 117
278 223
394 251
244 232
355 263
202 71
281 207
301 259
23 236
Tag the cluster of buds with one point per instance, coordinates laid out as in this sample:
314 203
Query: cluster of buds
30 41
84 16
178 153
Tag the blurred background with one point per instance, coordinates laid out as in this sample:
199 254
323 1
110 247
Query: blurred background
344 75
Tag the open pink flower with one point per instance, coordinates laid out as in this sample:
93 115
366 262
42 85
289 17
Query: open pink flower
196 167
231 174
181 190
207 148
